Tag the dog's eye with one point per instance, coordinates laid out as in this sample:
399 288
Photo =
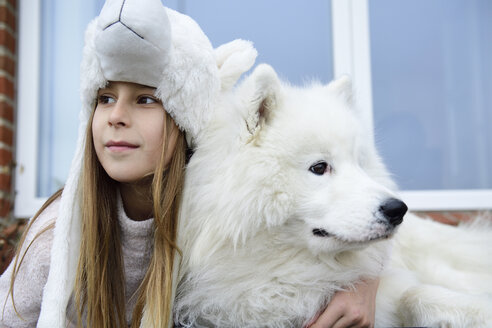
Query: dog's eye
320 168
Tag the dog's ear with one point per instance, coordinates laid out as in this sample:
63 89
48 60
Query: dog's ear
233 59
343 88
260 96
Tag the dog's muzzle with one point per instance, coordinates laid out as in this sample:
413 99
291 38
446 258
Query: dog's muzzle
393 210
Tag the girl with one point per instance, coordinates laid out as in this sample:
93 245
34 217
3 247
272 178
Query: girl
148 81
102 253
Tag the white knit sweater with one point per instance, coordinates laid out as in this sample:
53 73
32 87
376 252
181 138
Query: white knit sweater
136 238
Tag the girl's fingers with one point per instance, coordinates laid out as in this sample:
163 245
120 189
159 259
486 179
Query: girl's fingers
329 317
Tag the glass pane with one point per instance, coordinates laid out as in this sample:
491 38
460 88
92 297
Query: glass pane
292 36
62 36
432 84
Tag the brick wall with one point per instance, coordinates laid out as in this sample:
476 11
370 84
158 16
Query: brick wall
8 58
453 217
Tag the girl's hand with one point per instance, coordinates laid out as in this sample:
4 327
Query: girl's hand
350 308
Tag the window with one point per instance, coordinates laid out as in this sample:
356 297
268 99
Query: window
374 42
62 36
419 68
293 36
432 96
51 36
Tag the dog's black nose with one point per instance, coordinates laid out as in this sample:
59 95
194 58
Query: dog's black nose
393 210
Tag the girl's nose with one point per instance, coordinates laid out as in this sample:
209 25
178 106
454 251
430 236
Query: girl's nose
119 115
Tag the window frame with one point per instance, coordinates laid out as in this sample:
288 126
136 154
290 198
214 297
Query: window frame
351 53
28 77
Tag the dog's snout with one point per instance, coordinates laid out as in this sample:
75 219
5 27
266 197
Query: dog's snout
393 210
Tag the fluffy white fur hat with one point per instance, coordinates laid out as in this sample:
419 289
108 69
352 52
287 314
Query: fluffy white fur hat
143 42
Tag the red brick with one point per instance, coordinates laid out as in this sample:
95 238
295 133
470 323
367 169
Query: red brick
5 157
440 217
6 87
5 182
7 17
6 111
4 202
5 208
8 40
6 135
13 3
463 216
10 230
7 64
451 217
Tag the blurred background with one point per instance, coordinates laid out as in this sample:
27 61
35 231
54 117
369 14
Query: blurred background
422 71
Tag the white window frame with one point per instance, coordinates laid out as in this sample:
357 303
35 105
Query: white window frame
352 56
29 42
351 45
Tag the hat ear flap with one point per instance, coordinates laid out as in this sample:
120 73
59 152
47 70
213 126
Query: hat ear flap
233 59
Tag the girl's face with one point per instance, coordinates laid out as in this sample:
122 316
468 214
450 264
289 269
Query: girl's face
127 131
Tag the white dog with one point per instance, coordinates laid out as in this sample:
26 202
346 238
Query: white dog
286 202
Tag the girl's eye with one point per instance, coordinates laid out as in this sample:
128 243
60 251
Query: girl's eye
146 100
105 100
320 168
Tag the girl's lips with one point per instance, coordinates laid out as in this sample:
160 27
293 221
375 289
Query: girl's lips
119 146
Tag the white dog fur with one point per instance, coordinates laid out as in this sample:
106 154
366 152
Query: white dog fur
251 203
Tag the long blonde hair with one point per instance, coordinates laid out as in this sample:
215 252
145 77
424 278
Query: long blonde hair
99 286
